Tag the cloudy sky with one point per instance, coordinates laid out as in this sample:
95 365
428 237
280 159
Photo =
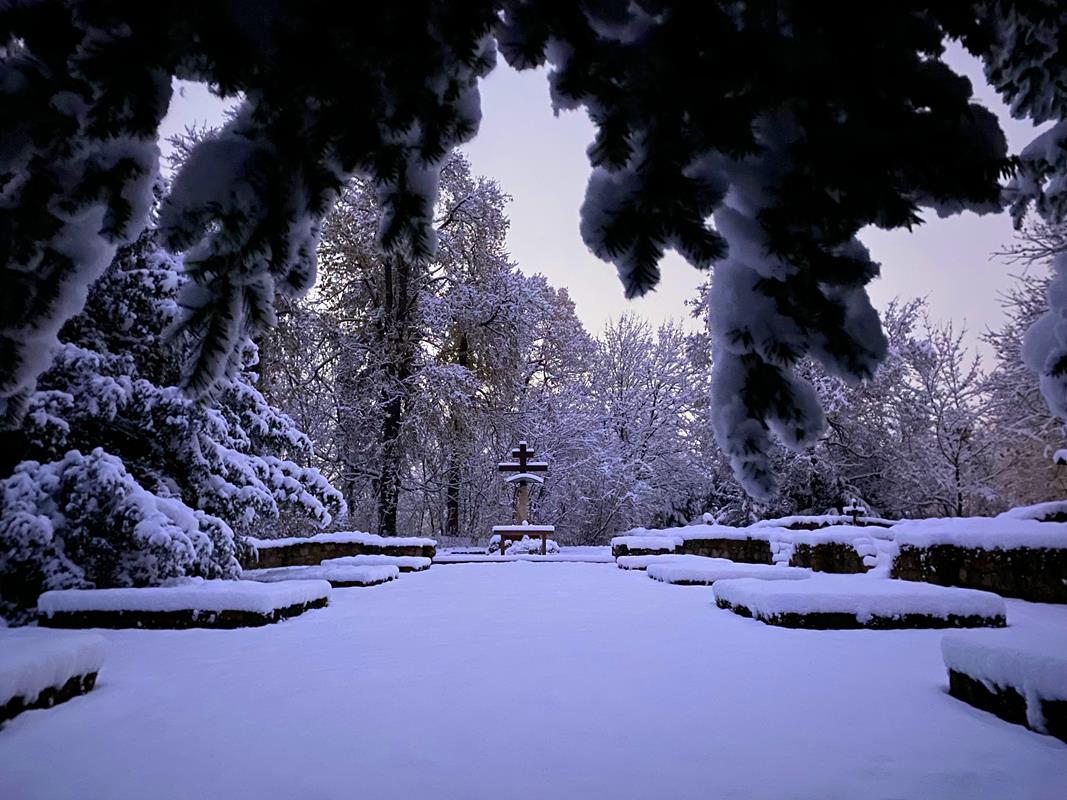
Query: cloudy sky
539 159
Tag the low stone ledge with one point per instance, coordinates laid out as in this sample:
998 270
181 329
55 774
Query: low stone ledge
746 551
838 620
185 618
835 557
51 696
1007 703
1038 574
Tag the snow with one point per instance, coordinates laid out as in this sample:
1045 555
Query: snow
663 543
821 521
190 595
1032 661
723 532
344 537
1038 511
402 562
335 573
875 545
862 595
523 526
642 562
632 690
32 660
717 569
989 533
586 555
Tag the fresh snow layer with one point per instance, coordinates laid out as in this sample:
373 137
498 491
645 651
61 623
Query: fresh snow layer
524 527
192 595
1038 511
722 532
716 569
340 573
875 546
1033 662
861 595
561 557
401 562
642 562
632 690
821 520
664 544
32 660
988 533
345 537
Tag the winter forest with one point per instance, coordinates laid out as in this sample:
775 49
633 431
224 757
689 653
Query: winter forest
253 369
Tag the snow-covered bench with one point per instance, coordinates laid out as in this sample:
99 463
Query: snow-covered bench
39 669
191 604
340 576
859 601
747 545
1012 557
296 551
403 563
1019 675
700 571
643 544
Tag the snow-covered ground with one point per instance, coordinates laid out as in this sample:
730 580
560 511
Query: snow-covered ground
527 681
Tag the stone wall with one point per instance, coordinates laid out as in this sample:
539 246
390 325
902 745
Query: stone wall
1038 574
828 557
186 618
748 551
310 553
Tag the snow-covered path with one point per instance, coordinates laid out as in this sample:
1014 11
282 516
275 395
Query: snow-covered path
526 681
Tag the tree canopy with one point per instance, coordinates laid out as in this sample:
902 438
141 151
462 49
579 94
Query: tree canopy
758 137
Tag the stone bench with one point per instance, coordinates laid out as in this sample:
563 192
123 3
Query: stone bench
859 601
310 550
39 669
196 604
1014 558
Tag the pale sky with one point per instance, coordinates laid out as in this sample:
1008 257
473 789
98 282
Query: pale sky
539 159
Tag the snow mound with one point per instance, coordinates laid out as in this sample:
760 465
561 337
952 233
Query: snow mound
875 546
716 569
344 537
405 563
1031 661
690 532
814 521
368 574
523 545
190 595
32 660
1052 511
642 562
860 595
987 533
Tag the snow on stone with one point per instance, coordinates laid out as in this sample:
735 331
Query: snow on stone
665 544
1031 661
1039 511
334 573
193 594
344 537
33 659
524 526
642 562
876 546
575 555
703 531
821 521
861 595
988 533
716 569
402 562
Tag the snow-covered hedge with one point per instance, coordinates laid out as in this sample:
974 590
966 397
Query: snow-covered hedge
127 480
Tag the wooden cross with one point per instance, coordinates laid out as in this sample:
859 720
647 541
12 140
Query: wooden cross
523 464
